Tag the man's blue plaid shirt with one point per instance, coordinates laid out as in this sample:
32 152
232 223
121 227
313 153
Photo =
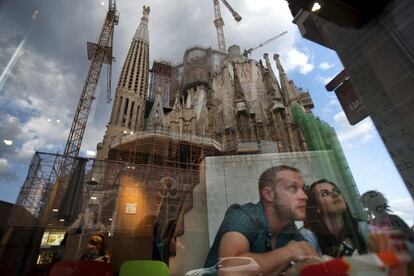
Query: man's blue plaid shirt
250 221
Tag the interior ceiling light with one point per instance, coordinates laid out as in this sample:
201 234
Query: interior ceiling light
90 153
8 142
58 121
49 120
316 7
61 220
125 132
55 210
93 197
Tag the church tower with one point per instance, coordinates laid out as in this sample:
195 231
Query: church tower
128 110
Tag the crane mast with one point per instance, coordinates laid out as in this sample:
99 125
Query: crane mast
219 23
99 54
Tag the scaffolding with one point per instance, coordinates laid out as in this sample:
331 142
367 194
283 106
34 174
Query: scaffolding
159 160
94 200
42 173
161 79
322 137
176 157
42 177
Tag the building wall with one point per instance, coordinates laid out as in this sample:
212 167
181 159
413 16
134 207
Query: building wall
193 245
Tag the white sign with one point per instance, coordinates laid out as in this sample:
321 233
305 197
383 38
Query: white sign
131 208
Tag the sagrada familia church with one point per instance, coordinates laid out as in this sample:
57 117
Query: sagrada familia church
183 142
234 101
212 104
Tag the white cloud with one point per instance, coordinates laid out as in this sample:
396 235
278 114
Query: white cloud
6 171
332 106
8 123
40 127
297 60
9 40
40 85
10 128
324 80
42 135
93 135
4 164
325 65
361 132
40 88
404 208
177 25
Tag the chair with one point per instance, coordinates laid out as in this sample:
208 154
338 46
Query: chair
143 268
81 268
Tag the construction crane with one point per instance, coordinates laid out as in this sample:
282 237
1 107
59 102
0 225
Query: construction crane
219 23
249 51
236 16
99 54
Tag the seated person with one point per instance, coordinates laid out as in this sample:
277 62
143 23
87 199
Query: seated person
266 231
381 216
96 250
329 226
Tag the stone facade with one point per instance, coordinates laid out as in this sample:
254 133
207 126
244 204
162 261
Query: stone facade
232 99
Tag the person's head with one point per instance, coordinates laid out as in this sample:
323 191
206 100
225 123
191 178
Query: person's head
281 188
325 199
375 202
98 242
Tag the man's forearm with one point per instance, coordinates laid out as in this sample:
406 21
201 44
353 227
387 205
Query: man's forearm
276 261
270 263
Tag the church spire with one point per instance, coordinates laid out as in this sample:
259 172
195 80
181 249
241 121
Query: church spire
142 31
272 76
128 111
287 89
131 93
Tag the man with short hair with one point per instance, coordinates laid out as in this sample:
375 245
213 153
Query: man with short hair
266 231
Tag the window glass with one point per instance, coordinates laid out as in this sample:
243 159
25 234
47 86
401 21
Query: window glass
267 137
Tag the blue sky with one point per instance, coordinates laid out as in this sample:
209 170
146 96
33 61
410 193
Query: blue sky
45 81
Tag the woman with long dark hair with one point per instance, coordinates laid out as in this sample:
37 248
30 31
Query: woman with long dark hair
329 225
